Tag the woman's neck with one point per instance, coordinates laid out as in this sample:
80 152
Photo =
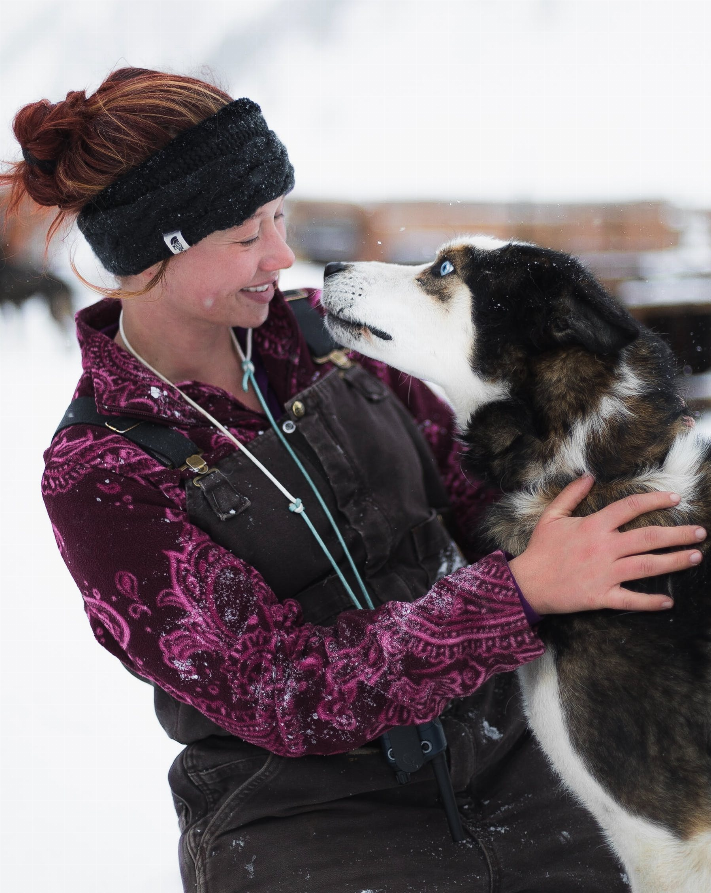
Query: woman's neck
198 352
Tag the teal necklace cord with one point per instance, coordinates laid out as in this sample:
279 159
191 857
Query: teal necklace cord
295 504
249 378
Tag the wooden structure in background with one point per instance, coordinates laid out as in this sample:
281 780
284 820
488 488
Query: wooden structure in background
611 239
410 232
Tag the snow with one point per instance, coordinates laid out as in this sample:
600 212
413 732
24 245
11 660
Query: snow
546 100
491 731
86 804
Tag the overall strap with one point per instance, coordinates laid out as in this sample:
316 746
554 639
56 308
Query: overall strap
322 347
165 445
168 446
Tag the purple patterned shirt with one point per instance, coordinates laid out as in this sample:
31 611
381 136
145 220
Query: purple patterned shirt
203 625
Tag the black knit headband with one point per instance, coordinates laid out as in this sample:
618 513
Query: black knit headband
213 176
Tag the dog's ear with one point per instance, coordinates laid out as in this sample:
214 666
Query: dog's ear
585 314
537 296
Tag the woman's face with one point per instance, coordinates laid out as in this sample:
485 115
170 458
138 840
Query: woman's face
229 277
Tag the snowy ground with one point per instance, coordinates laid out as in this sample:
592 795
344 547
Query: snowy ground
85 801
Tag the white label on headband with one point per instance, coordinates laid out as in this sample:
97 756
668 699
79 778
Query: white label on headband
175 242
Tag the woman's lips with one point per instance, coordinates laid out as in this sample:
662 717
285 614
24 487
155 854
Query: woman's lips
261 294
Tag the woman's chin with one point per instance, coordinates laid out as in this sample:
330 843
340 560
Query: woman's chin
252 314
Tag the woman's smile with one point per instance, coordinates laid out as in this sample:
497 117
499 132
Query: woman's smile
261 294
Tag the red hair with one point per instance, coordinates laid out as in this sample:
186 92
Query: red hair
75 148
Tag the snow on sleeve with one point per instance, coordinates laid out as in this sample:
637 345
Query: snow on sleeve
192 618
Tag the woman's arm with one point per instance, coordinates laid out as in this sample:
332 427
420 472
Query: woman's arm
204 626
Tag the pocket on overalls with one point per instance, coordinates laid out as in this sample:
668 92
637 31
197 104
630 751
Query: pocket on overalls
208 772
436 552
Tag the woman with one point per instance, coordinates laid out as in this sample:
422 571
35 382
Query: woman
198 577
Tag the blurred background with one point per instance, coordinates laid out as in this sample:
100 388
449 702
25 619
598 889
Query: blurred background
583 126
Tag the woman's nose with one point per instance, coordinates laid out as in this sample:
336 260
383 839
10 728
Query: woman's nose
279 256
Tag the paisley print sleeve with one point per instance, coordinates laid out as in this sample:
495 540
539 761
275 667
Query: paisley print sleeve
191 617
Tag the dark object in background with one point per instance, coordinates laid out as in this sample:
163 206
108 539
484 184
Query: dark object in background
23 242
21 281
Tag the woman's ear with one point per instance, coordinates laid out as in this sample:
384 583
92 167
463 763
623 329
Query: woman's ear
139 282
150 273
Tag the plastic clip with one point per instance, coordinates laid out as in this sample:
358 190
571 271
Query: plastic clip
409 748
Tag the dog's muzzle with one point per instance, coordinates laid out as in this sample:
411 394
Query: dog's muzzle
335 321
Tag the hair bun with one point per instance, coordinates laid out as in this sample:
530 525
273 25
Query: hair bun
45 131
74 149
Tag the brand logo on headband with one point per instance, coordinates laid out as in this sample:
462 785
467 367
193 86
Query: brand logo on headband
175 241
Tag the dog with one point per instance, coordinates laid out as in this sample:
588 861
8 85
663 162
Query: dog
550 377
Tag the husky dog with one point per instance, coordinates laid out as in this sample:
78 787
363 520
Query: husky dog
550 378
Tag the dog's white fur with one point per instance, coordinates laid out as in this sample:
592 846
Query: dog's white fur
435 341
388 296
572 458
655 860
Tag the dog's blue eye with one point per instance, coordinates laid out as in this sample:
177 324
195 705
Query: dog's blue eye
446 268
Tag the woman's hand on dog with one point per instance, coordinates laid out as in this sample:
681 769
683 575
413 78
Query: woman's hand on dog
577 564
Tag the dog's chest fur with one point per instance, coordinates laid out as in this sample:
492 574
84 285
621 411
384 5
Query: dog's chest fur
626 697
620 420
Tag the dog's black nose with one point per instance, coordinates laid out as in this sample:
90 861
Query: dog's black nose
334 267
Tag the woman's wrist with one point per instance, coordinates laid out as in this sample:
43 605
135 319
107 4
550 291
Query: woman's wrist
530 612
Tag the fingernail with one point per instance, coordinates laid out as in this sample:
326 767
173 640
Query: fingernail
667 603
695 557
675 497
700 533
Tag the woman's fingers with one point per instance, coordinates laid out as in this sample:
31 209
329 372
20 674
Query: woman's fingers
582 563
647 539
625 510
637 567
621 599
617 513
569 498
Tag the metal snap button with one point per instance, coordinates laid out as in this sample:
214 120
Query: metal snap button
298 408
288 427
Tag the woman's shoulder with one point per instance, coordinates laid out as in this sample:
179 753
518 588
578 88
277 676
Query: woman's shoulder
83 454
83 457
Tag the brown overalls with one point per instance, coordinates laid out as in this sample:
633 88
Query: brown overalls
254 822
